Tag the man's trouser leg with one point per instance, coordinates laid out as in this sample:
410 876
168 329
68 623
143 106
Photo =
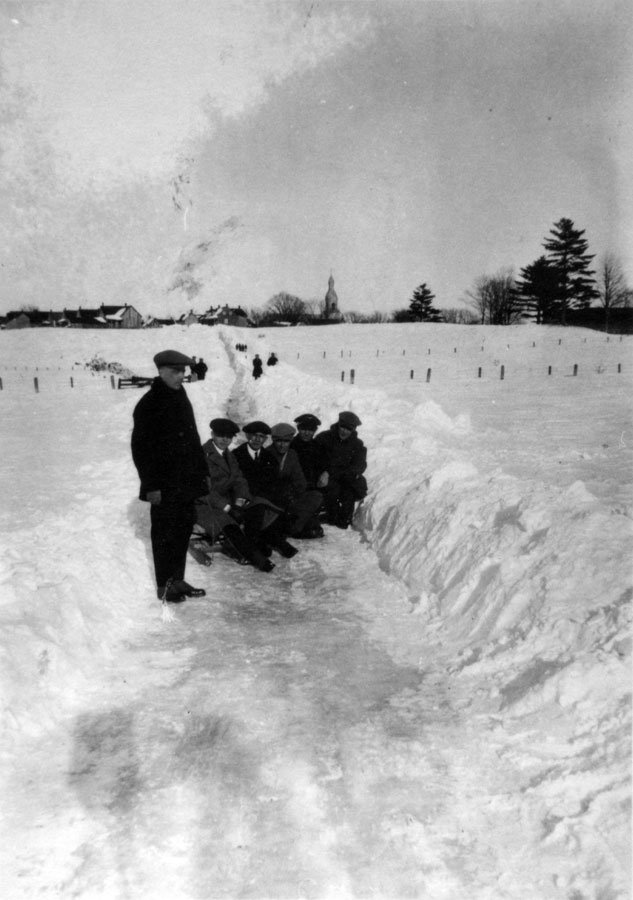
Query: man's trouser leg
172 524
304 509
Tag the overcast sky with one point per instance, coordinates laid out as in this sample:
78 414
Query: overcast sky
389 143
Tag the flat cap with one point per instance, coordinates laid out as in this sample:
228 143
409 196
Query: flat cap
349 420
283 430
256 428
172 358
308 421
224 427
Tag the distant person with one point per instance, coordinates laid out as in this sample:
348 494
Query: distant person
194 369
311 455
258 367
272 360
168 455
201 369
290 490
229 503
342 480
260 468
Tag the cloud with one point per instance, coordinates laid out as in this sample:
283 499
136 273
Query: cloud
125 86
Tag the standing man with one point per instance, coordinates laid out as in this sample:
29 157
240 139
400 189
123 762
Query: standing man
201 369
342 480
172 468
258 367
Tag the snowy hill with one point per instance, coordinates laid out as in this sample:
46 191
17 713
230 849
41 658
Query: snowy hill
436 704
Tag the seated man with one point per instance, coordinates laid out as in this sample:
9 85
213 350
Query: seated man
291 490
229 501
311 455
260 469
342 480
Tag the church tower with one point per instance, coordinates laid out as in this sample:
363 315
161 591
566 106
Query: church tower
331 301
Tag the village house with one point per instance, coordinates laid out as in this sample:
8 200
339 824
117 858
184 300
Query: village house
104 317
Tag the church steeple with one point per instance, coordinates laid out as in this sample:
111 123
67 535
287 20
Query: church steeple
331 300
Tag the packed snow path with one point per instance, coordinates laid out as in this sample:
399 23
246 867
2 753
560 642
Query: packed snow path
264 744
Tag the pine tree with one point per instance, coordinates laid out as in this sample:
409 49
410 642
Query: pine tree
537 288
421 307
567 250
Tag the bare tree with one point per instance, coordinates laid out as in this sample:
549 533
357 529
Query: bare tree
459 316
613 291
494 298
286 308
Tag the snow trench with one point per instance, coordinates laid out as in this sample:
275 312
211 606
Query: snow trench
524 587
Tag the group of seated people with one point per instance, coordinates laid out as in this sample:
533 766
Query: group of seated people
280 482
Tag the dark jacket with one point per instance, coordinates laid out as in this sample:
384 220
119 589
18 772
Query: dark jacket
312 459
344 460
226 485
166 446
291 483
261 474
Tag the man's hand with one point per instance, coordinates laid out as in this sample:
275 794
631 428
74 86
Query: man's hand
154 497
324 478
236 514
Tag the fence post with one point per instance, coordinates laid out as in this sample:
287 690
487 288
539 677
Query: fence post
411 374
351 376
36 385
428 375
72 383
575 368
404 352
503 372
341 354
112 381
549 370
324 354
342 376
619 370
0 384
479 372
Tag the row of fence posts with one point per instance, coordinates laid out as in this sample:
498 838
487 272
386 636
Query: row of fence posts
404 352
352 374
36 383
502 373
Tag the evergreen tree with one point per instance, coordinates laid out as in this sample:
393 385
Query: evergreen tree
567 250
537 287
421 307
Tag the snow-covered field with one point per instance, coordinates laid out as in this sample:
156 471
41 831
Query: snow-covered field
434 705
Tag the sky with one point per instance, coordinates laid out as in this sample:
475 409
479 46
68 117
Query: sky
433 704
178 155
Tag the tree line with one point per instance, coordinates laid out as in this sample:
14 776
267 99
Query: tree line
547 290
558 283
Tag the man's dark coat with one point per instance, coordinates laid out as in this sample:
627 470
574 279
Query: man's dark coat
166 446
